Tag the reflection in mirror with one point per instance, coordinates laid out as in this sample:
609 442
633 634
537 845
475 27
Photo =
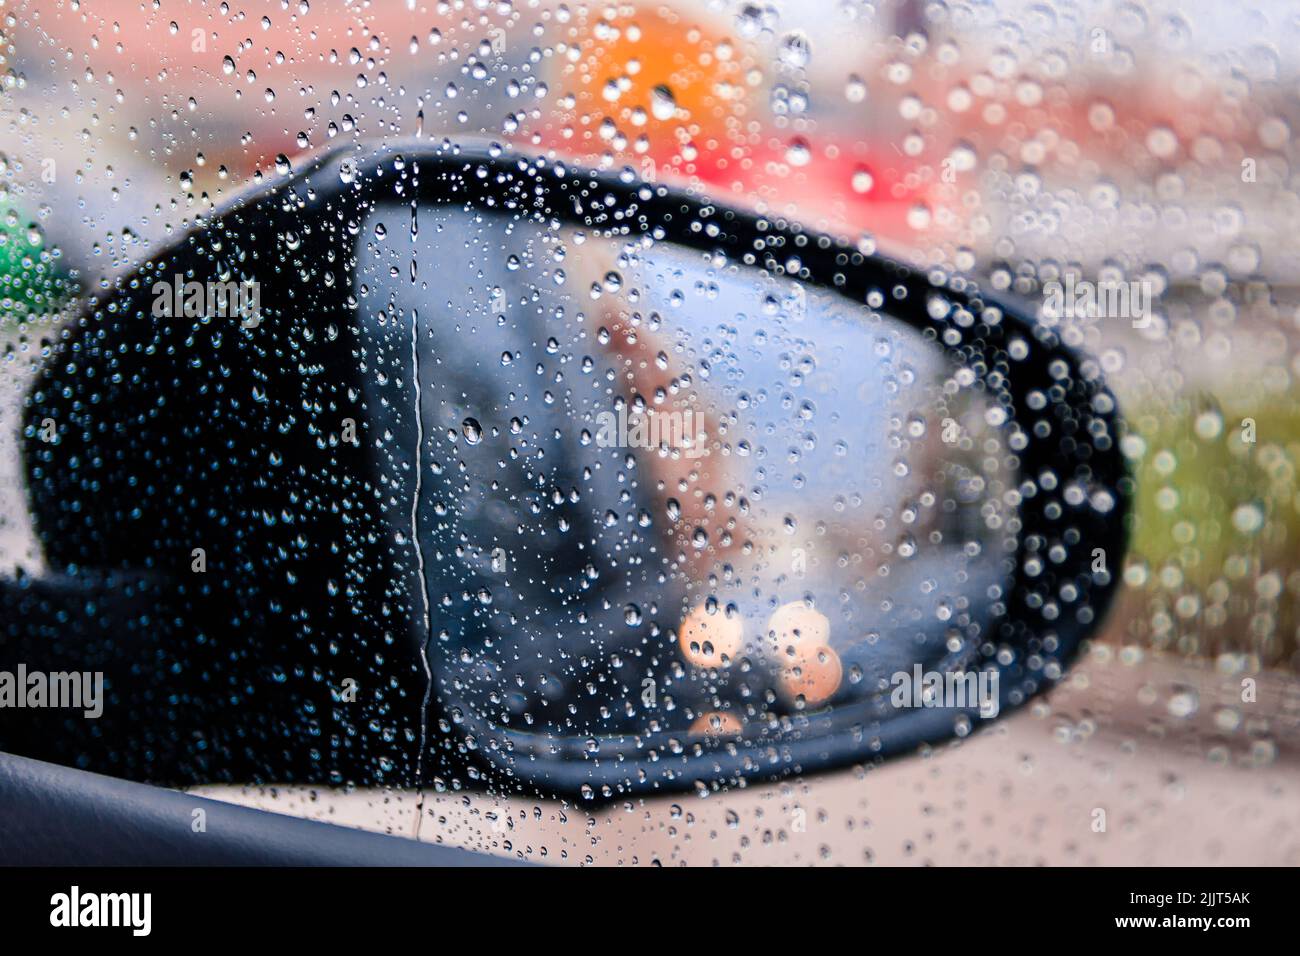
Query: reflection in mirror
660 493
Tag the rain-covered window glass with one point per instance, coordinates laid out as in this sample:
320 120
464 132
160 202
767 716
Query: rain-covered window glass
697 432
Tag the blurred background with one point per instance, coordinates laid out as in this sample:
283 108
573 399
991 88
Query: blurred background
1016 141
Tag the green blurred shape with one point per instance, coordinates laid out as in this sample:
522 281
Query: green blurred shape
1216 542
31 283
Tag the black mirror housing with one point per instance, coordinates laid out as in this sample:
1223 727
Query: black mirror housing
181 440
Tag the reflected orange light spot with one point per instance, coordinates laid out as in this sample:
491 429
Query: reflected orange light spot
796 625
711 639
813 672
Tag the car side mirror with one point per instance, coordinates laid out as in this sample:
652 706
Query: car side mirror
444 466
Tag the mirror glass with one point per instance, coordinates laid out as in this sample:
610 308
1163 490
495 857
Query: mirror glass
645 489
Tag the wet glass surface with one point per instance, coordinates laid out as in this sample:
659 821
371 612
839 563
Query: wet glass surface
515 551
647 474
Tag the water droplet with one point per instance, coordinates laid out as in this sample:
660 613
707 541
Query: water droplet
662 103
472 431
798 153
